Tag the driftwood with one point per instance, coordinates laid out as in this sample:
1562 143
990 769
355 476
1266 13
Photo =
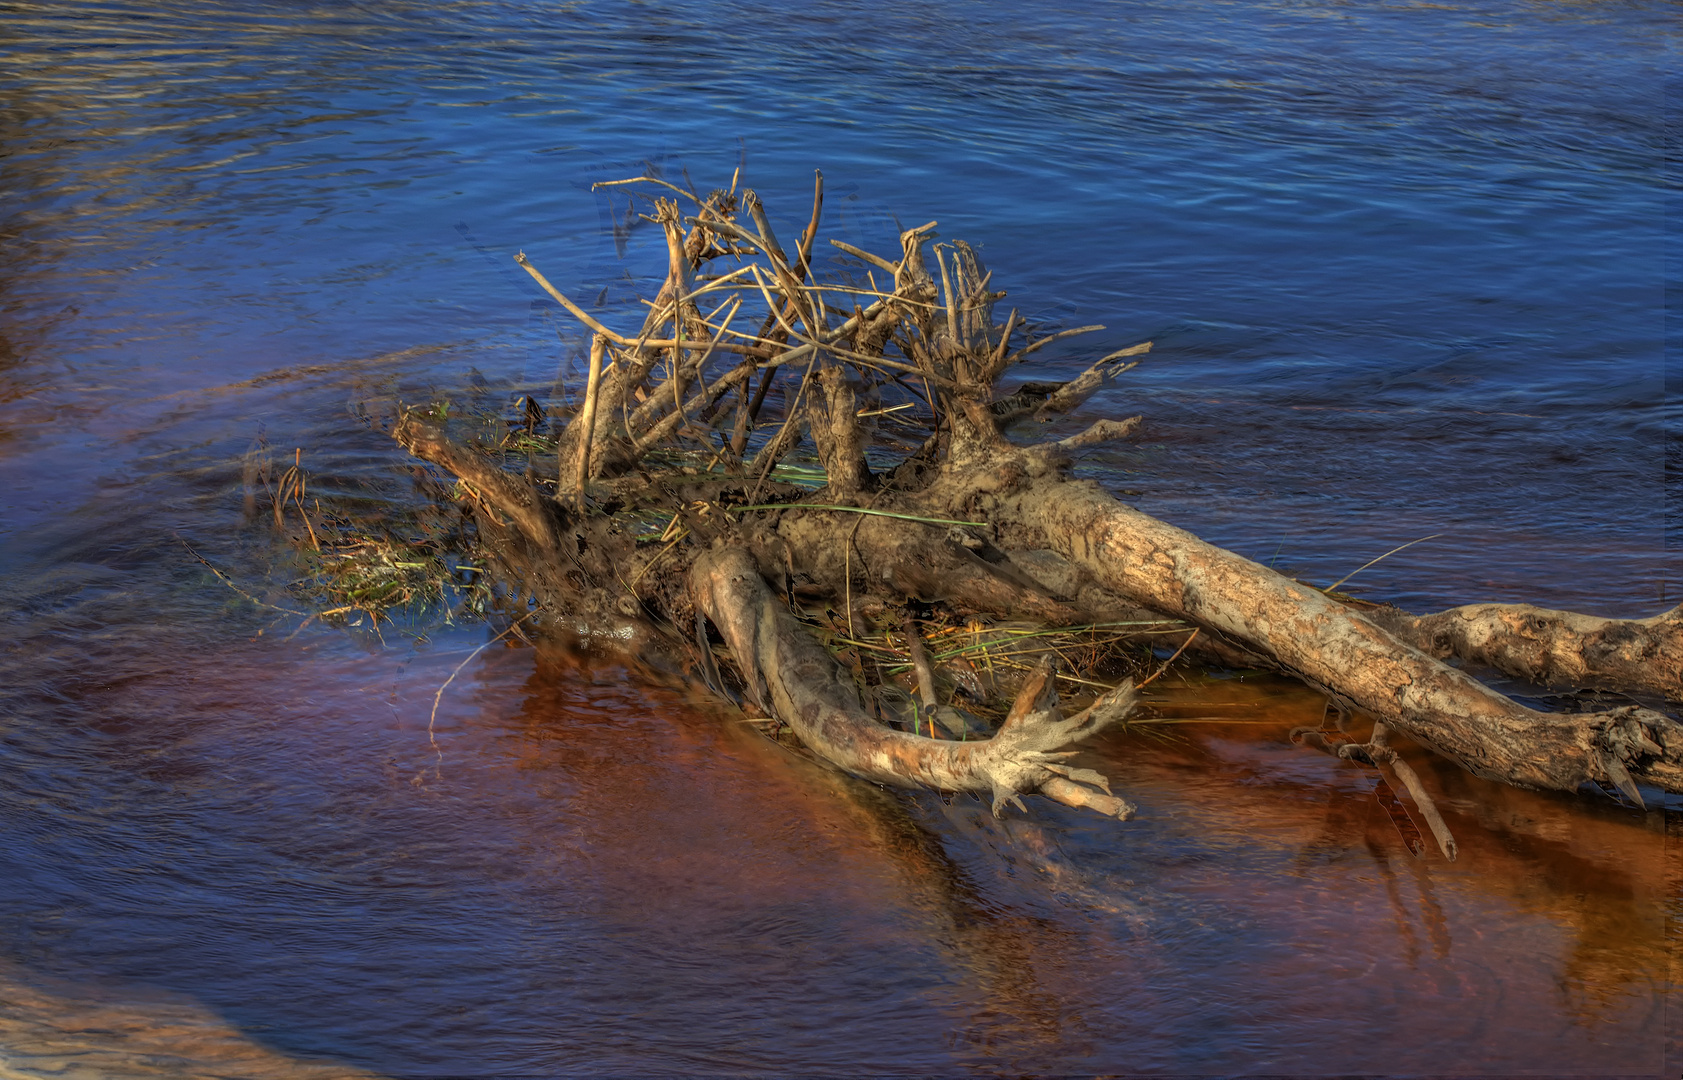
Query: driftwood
1552 648
789 674
892 375
1335 647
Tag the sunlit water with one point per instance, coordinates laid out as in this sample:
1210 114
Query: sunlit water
1404 267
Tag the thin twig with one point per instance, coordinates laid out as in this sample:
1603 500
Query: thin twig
1382 753
1370 562
577 312
775 308
1171 659
1428 809
436 698
997 363
810 237
877 362
646 180
925 675
715 284
859 253
614 336
952 299
857 291
1035 346
587 418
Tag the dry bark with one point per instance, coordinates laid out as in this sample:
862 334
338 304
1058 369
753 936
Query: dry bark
1336 648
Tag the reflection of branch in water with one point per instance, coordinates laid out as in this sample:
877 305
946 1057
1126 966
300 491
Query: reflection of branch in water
1595 872
990 931
1431 911
1349 816
1405 925
1345 819
1617 922
1019 843
988 954
1008 1015
1600 872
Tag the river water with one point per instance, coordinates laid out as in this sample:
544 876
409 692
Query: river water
1404 265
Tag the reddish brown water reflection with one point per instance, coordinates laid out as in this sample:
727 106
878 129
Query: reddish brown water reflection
580 871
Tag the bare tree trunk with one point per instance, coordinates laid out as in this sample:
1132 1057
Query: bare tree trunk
1334 647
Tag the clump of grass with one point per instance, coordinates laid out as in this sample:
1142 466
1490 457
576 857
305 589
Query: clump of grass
529 443
388 559
392 576
979 664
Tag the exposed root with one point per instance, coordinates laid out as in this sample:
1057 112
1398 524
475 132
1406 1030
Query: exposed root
792 678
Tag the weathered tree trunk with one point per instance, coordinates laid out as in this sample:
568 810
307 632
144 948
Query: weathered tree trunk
1335 647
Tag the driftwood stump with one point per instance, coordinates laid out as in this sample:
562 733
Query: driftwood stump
892 374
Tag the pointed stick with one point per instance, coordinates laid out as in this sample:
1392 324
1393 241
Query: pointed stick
587 417
925 674
811 234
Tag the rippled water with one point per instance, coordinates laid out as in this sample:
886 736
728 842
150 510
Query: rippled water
1404 266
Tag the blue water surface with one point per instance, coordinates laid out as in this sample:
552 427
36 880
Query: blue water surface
1403 263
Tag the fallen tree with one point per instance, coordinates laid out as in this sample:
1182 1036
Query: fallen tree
670 506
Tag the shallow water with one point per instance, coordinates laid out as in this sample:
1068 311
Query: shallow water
1403 265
